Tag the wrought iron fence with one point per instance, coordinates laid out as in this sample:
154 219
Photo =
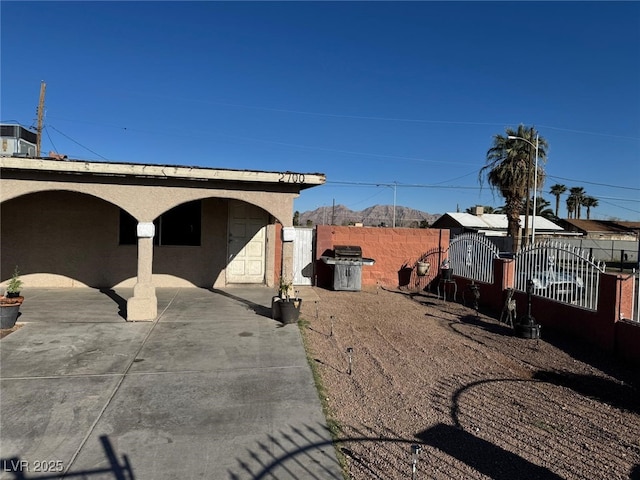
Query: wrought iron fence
560 272
471 256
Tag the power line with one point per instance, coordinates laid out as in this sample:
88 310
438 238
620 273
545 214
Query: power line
78 143
406 185
377 118
49 137
286 144
594 183
619 206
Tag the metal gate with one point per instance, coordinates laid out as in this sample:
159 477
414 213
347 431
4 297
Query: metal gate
560 272
471 256
303 256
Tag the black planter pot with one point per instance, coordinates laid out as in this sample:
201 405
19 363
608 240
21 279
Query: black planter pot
9 315
447 273
12 294
290 310
527 328
275 307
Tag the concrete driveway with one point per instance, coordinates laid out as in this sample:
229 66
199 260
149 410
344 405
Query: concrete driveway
213 389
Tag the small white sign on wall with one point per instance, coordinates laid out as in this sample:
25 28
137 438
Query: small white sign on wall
146 230
288 234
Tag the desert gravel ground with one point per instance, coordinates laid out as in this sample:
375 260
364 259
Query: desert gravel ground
478 401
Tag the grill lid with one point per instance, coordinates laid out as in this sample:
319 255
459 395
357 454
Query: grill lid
348 251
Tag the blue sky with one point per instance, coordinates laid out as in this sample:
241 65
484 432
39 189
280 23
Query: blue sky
369 93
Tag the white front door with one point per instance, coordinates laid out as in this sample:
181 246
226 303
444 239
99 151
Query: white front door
247 242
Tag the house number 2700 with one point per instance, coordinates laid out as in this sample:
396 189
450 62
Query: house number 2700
289 177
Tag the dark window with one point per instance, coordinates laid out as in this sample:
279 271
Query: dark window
179 226
127 229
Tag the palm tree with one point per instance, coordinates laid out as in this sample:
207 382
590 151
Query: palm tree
576 195
571 206
542 208
557 190
589 202
509 170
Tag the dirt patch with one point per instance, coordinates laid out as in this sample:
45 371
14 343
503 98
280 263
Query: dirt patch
479 402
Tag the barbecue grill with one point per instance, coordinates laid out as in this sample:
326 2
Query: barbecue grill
347 262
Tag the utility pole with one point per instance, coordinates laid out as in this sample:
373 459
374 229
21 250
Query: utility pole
525 237
43 89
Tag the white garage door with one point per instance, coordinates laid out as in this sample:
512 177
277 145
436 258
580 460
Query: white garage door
247 241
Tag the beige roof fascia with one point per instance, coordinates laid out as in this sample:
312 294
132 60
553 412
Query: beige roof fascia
303 180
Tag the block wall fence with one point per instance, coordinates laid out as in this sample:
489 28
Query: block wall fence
393 249
396 251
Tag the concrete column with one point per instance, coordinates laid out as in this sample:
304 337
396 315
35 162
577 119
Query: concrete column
143 306
287 254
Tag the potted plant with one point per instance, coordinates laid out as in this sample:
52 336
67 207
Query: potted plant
9 311
284 307
422 268
14 285
11 301
446 270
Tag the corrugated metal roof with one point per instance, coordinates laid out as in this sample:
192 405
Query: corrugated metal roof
498 221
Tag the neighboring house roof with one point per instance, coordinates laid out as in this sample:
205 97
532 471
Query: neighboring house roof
491 222
635 226
600 227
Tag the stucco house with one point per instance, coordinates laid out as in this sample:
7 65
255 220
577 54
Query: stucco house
73 223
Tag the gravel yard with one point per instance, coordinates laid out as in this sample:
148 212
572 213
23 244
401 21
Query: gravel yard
479 402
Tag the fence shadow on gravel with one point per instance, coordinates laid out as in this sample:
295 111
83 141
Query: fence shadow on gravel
293 453
617 395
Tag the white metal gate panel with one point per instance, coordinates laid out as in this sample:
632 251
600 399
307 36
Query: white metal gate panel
559 272
303 256
471 256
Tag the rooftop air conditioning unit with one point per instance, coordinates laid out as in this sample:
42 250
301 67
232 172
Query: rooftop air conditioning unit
17 141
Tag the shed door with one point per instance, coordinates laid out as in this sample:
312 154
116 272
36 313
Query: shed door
247 243
303 256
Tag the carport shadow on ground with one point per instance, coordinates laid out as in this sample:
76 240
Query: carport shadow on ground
121 470
121 302
256 307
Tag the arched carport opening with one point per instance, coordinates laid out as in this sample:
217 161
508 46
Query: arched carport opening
209 242
60 238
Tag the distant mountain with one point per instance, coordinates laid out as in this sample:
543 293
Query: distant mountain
378 215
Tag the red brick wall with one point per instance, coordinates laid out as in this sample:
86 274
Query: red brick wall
628 340
391 248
